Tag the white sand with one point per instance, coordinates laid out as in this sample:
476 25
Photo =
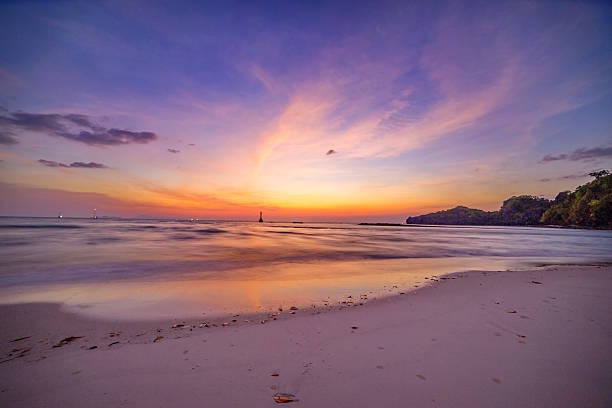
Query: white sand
454 344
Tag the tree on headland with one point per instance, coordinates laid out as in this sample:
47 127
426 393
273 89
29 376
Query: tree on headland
589 206
523 210
600 173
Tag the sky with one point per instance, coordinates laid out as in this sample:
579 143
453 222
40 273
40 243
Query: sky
370 111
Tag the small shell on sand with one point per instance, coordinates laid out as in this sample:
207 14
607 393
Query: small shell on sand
282 398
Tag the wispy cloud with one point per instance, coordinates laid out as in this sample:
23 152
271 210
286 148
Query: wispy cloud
79 165
76 127
194 200
581 154
370 126
7 139
568 177
89 165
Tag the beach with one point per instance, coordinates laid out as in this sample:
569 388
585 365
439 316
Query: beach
532 338
320 204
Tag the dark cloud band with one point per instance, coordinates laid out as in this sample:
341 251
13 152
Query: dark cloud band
568 177
79 128
79 165
580 154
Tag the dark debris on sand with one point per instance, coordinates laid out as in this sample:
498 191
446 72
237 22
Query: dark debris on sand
67 340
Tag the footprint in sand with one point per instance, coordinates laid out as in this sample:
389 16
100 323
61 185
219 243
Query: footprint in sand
496 380
422 377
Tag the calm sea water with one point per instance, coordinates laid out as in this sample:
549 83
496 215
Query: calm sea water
137 269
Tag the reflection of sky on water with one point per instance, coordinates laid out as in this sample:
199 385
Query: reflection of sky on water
148 269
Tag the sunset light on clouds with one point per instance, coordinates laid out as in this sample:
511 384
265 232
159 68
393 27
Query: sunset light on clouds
317 112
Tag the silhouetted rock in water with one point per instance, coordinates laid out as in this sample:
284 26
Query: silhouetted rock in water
260 217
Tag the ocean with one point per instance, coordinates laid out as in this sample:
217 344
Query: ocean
158 269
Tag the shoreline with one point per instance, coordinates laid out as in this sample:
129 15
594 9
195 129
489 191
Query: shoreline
183 326
342 340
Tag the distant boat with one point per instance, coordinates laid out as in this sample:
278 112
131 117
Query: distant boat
260 217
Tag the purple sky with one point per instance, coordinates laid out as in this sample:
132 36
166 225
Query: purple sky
335 110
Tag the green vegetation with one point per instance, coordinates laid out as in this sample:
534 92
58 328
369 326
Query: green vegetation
457 216
589 206
523 210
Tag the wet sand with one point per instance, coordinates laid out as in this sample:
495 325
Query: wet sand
530 339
